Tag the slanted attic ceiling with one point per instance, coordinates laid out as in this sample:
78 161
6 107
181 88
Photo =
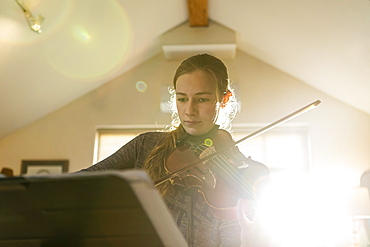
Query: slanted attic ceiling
86 43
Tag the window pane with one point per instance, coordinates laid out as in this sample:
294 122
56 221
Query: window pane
285 151
109 140
110 143
281 149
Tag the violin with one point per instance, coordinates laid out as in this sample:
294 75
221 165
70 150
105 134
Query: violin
222 179
213 165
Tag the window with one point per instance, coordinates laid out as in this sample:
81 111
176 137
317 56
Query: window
281 149
284 148
109 139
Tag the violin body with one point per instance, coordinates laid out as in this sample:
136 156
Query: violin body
222 179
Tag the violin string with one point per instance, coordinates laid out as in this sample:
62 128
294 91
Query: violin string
233 174
226 168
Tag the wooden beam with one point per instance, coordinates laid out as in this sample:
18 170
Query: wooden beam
198 13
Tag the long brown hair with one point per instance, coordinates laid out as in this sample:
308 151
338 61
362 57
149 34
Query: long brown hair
154 164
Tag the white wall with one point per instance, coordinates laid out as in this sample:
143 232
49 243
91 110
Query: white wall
340 134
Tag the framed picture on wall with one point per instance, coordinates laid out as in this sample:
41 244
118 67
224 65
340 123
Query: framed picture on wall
44 167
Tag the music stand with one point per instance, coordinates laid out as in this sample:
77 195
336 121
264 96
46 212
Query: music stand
85 209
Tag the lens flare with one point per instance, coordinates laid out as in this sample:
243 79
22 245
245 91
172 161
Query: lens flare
141 86
81 34
95 42
208 142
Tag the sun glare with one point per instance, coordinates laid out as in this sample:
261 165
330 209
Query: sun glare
303 210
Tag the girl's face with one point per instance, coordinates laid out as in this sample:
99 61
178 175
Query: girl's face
196 101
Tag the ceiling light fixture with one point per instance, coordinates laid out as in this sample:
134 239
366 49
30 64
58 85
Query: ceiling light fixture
33 22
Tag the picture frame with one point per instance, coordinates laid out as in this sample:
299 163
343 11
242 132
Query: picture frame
44 167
